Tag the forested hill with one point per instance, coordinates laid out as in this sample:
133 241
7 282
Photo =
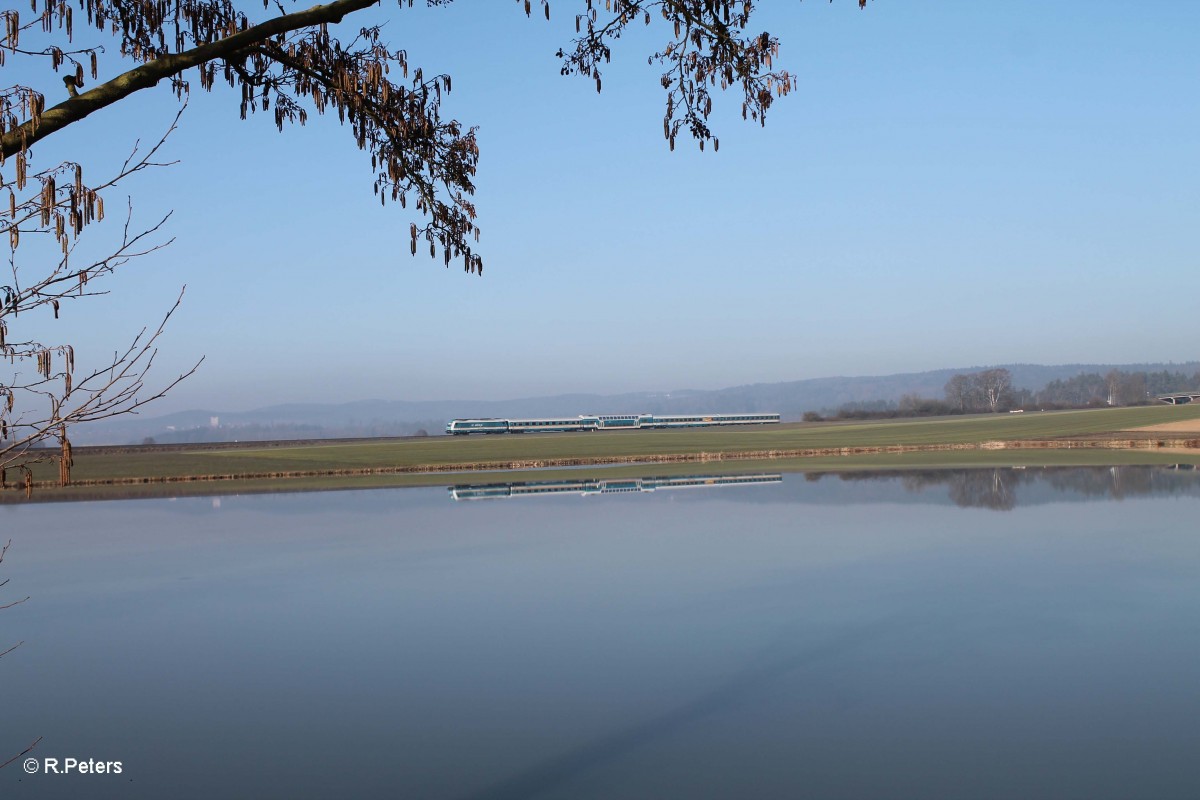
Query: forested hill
401 417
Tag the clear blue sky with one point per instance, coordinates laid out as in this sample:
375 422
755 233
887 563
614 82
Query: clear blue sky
954 184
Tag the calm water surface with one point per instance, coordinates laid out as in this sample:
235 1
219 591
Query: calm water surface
997 633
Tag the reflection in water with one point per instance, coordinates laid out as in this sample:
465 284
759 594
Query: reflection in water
998 488
594 486
835 636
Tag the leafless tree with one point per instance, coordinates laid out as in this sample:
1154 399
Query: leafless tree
988 390
995 385
43 394
1125 388
960 392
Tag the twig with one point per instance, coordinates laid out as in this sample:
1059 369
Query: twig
23 752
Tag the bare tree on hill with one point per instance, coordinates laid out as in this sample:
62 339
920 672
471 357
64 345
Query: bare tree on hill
996 386
960 392
989 390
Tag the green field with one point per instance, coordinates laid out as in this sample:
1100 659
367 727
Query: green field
960 459
484 450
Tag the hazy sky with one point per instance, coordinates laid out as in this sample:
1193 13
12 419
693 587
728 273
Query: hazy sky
954 184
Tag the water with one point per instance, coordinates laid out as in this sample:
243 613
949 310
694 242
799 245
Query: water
996 633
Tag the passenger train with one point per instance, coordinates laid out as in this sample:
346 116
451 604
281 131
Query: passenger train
584 422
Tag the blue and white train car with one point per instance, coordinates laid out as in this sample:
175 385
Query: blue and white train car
617 421
597 422
552 424
705 420
461 426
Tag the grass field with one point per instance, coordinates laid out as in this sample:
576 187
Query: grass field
958 459
446 450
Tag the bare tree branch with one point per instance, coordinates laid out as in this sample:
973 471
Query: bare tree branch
40 406
113 390
143 77
24 752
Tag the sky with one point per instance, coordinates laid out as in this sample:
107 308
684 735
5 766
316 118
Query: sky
952 185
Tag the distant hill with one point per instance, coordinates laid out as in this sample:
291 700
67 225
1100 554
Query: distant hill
405 418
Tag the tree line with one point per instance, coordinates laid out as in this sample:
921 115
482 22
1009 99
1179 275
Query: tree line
992 391
1116 388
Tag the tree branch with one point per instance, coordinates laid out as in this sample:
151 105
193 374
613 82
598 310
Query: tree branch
23 752
143 77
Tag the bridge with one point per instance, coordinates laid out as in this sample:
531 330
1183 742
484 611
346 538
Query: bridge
1179 398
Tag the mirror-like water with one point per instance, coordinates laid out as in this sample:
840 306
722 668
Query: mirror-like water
993 633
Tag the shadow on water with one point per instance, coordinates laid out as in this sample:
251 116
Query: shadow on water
562 769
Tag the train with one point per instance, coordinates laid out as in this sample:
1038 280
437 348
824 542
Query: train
602 422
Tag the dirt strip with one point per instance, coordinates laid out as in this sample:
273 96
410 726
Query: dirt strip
1182 426
1141 443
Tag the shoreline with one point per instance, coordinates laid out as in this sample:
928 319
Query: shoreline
1173 445
1117 436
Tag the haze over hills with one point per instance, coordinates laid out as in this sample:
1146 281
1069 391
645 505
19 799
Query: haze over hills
402 418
